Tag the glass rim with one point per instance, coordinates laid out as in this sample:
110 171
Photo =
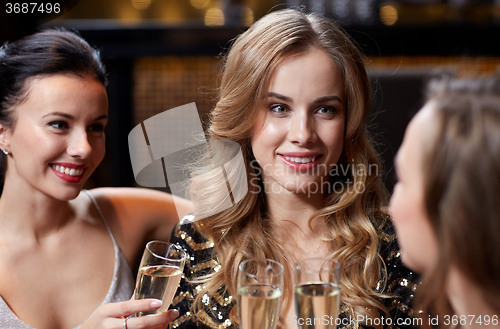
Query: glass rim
267 260
176 246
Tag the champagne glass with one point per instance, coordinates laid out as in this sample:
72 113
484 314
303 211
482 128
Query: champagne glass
317 293
159 273
260 286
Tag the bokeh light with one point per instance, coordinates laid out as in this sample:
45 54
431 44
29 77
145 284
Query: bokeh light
141 4
214 17
199 4
388 14
248 17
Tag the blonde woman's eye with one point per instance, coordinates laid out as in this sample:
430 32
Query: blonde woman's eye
278 108
327 110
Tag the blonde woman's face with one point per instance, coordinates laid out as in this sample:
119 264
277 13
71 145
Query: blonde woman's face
415 235
299 133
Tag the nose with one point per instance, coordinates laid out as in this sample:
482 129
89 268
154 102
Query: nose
79 146
302 129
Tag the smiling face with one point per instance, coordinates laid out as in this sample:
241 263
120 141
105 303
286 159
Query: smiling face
299 132
58 138
407 207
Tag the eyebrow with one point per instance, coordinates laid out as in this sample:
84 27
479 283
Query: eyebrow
70 117
104 116
279 96
328 98
289 99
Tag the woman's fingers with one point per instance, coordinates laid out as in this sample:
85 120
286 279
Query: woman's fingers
124 309
115 316
172 315
149 321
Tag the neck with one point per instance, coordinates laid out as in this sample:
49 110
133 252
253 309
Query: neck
31 214
466 298
288 207
291 213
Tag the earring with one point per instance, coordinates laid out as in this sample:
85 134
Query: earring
5 152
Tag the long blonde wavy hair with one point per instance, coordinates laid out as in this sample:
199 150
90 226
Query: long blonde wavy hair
354 218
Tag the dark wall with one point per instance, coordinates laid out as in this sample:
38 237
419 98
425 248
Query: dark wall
397 97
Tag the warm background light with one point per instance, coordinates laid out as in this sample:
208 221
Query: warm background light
214 17
248 17
199 4
388 15
141 4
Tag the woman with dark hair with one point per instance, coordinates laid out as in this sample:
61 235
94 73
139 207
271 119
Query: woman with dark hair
295 97
446 205
65 252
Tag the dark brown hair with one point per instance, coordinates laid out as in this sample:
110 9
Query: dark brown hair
54 51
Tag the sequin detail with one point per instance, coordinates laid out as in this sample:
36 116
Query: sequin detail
401 283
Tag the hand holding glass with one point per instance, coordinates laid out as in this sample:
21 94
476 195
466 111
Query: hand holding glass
260 286
159 273
317 292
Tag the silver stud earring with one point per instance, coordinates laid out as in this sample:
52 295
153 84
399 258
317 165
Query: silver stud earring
5 152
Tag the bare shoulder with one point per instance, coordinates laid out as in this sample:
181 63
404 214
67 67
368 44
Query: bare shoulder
141 205
136 215
138 196
129 193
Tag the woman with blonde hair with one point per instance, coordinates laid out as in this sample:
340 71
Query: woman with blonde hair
294 96
446 203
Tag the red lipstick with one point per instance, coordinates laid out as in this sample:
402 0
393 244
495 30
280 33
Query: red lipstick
68 178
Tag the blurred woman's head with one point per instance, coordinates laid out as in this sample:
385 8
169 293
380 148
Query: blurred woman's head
453 186
53 108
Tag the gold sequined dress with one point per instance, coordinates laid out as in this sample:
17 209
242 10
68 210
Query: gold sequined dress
401 283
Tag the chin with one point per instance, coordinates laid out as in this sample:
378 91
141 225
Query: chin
305 187
67 194
413 264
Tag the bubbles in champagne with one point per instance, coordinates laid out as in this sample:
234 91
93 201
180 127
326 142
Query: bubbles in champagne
317 305
258 306
158 281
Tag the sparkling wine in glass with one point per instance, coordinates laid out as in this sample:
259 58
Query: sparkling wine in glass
317 293
159 273
260 286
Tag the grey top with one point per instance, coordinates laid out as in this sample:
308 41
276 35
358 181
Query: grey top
121 287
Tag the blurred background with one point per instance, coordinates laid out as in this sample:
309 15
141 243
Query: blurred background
161 54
